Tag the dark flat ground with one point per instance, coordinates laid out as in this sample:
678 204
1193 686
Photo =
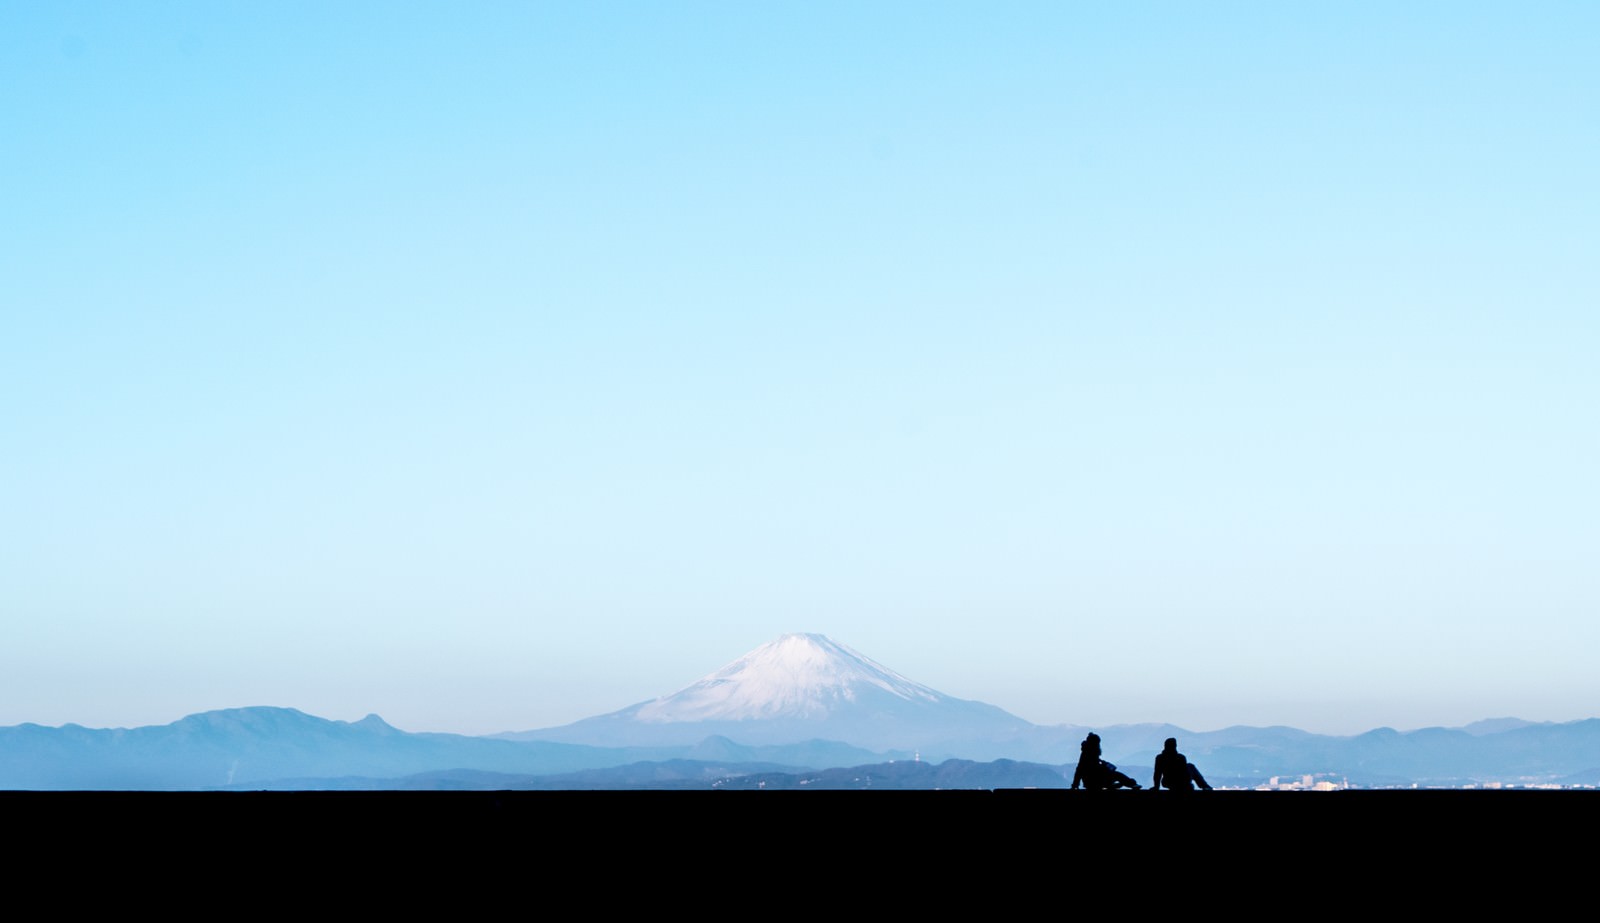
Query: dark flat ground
925 847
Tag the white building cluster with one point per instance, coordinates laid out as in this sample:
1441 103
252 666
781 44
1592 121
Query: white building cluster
1306 783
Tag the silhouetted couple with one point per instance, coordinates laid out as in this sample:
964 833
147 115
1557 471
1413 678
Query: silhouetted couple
1094 773
1175 772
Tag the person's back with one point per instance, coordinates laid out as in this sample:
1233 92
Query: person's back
1174 771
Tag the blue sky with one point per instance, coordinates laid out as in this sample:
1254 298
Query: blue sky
489 366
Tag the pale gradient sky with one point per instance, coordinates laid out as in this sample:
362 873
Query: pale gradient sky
489 366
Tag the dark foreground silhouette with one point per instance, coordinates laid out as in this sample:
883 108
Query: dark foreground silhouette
899 851
1094 773
1175 773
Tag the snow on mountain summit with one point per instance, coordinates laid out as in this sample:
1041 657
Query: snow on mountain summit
796 676
799 688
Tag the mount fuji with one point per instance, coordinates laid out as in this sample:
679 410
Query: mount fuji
797 688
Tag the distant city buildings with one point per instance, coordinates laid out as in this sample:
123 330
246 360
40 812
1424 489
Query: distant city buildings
1305 783
1326 782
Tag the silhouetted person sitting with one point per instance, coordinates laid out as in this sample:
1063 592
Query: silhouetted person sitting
1175 771
1094 773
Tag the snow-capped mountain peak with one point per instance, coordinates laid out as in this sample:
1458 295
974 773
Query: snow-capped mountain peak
796 676
799 687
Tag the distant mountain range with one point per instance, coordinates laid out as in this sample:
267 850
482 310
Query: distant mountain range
801 711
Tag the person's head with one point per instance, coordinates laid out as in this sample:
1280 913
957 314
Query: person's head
1172 744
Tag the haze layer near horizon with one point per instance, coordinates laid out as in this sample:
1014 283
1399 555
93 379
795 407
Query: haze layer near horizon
489 366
